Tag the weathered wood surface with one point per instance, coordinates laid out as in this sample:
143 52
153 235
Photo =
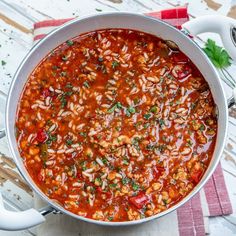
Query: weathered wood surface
16 23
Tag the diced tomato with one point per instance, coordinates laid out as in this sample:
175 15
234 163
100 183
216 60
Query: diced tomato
46 93
196 175
157 172
42 136
181 71
180 57
108 194
139 201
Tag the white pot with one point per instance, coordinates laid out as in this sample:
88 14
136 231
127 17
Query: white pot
31 217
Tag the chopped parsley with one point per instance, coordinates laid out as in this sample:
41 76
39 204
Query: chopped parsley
153 109
69 42
69 85
115 64
135 186
83 134
117 105
112 185
147 116
202 127
3 63
69 142
125 180
51 138
86 84
161 122
131 110
63 100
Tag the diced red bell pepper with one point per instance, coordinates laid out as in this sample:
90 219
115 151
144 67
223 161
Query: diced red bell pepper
140 200
42 136
196 175
180 57
181 71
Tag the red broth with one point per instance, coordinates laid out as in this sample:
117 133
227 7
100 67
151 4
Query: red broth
116 126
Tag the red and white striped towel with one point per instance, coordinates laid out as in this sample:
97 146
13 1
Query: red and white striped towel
189 220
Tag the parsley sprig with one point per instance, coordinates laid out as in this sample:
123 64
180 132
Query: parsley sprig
221 60
218 55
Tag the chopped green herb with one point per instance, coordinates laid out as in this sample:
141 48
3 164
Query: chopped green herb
97 9
63 101
127 113
150 147
202 127
68 93
51 138
110 218
131 110
112 185
83 134
193 105
146 125
104 160
98 180
189 142
161 122
117 105
69 85
161 147
153 109
3 63
135 186
165 201
69 142
54 67
125 180
49 122
114 64
86 84
69 42
147 116
125 161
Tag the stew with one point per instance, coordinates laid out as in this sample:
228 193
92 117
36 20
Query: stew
116 125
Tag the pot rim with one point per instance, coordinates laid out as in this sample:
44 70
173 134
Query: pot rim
17 160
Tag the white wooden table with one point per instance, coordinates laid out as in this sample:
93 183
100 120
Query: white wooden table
16 22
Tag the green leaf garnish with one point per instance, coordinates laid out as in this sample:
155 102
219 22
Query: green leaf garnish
117 105
218 55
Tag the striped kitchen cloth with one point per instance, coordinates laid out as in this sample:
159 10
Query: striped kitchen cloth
189 220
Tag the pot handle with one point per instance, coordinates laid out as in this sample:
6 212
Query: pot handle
4 97
222 25
13 221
